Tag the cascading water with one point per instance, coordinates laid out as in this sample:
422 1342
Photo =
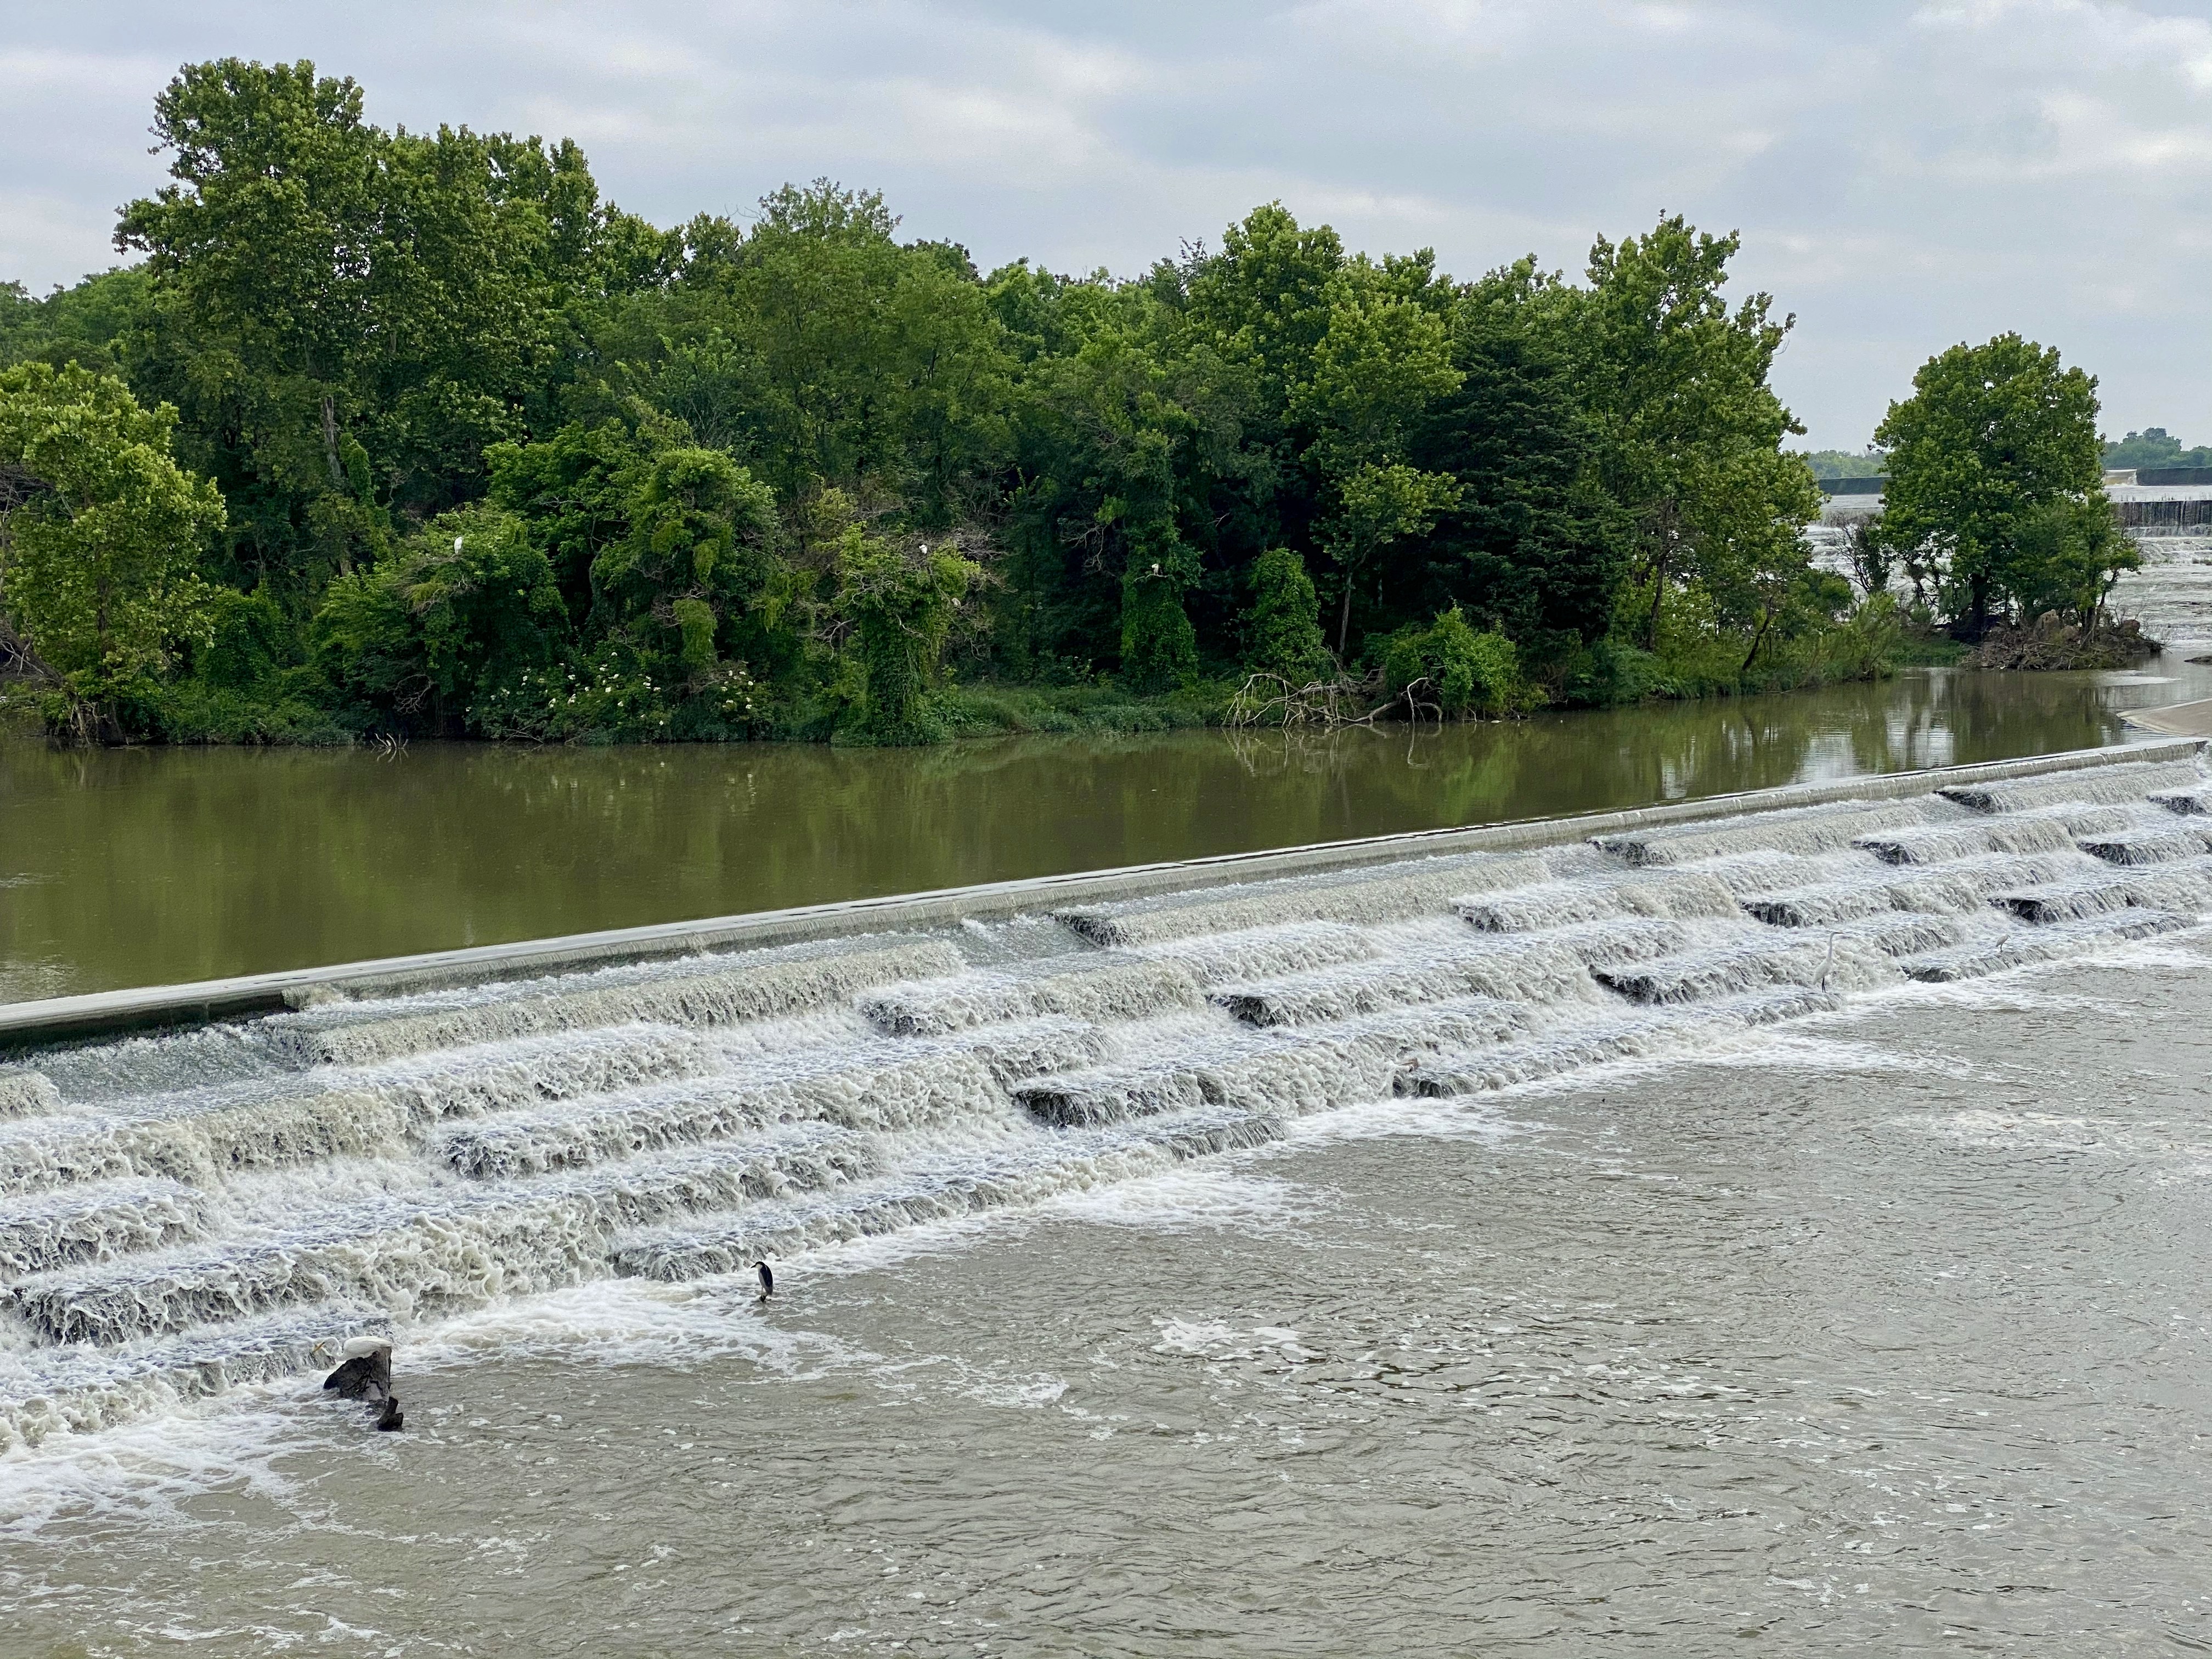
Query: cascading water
184 1212
2170 594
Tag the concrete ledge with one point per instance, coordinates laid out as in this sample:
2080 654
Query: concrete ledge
2179 720
65 1019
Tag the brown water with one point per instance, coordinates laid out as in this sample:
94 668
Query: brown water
153 866
1887 1335
1697 1303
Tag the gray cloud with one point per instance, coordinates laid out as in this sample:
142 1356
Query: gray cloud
1904 175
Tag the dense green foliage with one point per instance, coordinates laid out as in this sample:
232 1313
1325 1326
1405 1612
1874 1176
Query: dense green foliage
2154 446
1284 630
100 534
1842 464
1450 669
500 459
1996 506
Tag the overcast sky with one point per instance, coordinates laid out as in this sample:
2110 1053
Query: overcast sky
1904 176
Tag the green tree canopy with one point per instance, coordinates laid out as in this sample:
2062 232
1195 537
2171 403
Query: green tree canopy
101 531
898 602
351 317
1286 637
1991 438
2154 446
1385 360
1531 542
1689 428
675 433
440 636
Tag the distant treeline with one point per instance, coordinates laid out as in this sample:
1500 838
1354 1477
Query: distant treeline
1842 464
2154 446
392 432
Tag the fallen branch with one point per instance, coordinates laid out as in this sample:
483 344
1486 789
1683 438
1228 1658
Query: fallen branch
1268 699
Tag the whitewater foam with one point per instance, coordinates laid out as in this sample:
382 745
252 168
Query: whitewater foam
185 1213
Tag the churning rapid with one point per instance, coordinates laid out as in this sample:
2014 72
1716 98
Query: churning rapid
185 1212
2171 594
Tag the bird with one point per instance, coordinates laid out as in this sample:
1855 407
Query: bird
767 1279
393 1420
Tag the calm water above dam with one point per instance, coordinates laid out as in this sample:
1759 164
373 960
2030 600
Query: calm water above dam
144 867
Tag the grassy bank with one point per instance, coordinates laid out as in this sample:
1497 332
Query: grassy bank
297 705
294 707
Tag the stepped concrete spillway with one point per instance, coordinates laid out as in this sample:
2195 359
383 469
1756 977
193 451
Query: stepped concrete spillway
2170 594
203 1185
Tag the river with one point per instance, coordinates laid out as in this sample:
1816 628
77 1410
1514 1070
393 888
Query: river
149 866
1707 1241
1889 1335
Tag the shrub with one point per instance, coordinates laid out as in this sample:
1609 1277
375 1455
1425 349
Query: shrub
1450 668
1286 637
1609 672
898 605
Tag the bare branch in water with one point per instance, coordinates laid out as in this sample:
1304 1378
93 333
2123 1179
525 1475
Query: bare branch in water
1266 699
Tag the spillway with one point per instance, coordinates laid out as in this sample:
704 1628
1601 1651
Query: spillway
2171 593
185 1209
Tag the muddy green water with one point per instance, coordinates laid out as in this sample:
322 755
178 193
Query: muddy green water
140 867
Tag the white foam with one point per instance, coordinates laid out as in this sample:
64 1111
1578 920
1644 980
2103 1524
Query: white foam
1193 1199
672 1120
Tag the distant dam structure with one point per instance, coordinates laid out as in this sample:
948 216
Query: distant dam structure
2169 522
188 1207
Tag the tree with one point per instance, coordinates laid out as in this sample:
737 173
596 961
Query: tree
697 553
2065 555
1134 463
439 637
262 255
349 317
1159 646
899 603
1870 558
100 533
1269 298
91 324
1285 620
1993 436
679 433
1689 429
1374 506
1843 464
572 491
1384 359
2154 446
1531 542
841 358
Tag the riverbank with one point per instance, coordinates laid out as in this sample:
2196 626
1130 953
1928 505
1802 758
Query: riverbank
293 710
135 867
